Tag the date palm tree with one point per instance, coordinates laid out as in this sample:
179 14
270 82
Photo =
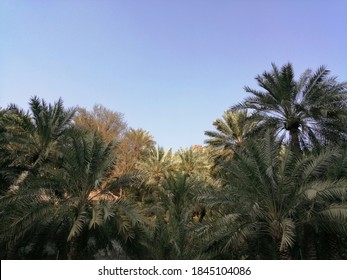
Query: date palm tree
194 161
34 138
273 194
68 203
308 111
157 166
172 219
233 129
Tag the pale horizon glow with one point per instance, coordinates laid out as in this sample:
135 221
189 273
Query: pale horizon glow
171 67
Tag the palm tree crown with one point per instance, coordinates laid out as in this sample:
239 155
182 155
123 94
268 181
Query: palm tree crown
310 109
232 129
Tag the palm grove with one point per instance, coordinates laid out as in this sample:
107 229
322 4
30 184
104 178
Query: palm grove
271 183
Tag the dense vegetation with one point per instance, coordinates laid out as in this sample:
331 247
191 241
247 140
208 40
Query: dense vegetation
271 182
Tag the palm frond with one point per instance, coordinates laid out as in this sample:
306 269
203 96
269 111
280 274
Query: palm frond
78 223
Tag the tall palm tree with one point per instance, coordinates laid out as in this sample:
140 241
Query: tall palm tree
69 203
34 138
271 193
309 110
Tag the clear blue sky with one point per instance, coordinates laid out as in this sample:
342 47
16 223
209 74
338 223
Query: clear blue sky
171 67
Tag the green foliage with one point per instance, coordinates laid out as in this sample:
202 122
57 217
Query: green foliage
270 184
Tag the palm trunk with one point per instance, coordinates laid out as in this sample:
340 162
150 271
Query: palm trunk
294 140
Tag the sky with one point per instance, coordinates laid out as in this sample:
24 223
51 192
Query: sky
171 67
